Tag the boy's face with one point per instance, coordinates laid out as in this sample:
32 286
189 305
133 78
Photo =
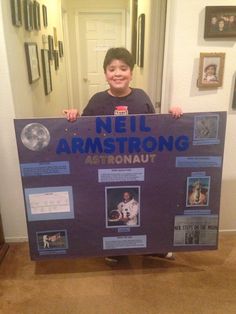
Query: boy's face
118 75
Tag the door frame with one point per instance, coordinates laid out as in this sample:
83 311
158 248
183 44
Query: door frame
67 58
125 31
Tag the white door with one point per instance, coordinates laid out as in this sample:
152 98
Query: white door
97 33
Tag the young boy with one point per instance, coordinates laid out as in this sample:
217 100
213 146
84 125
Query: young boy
118 67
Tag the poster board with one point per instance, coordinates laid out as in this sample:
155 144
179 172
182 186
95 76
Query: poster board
121 185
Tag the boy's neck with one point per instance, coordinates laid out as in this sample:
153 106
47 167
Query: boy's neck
119 93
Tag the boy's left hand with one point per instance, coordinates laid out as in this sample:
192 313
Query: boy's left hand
176 112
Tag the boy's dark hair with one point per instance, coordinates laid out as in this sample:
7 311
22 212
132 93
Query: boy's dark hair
119 53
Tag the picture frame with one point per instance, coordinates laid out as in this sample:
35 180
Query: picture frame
140 40
32 60
211 69
28 14
36 11
55 36
45 15
220 22
16 12
56 59
134 5
47 78
60 48
50 47
234 95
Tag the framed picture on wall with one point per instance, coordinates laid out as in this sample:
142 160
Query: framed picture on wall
28 15
50 47
36 9
16 12
60 48
45 16
55 36
134 17
56 60
47 78
32 60
211 69
234 94
140 41
220 21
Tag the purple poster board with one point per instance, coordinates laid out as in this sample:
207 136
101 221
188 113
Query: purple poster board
120 185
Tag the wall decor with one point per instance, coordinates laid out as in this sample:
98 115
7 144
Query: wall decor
220 21
46 71
31 51
36 9
28 15
50 47
134 4
234 95
16 12
56 59
140 43
45 16
60 47
211 69
55 36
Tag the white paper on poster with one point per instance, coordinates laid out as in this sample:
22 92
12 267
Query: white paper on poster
124 242
121 175
50 202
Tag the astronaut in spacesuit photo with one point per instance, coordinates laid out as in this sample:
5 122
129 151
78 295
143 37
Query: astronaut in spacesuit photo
129 209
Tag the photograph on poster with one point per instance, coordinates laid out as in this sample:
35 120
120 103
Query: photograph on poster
49 203
198 189
52 240
206 127
122 206
196 230
35 136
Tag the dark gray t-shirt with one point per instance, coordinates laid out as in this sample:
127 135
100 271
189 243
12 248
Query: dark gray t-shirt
103 103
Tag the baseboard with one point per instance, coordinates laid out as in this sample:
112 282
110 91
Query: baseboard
227 230
16 239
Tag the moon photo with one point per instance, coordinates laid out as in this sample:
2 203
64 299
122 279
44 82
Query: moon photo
35 136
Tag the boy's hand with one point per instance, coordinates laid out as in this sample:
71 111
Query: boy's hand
176 112
71 114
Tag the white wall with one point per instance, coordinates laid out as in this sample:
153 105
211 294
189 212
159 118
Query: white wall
11 197
184 42
19 99
30 99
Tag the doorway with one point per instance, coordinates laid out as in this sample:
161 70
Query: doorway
96 32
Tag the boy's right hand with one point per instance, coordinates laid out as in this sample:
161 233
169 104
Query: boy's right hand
71 114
